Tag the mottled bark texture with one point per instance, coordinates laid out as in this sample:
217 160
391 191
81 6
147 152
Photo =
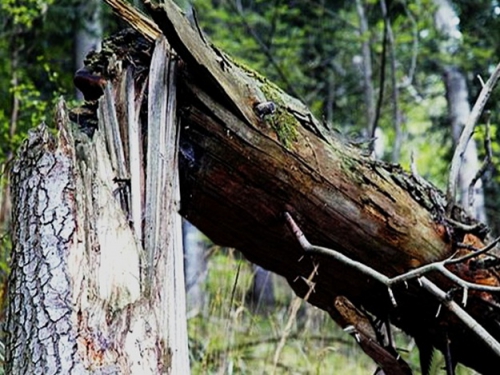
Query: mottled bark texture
87 293
41 317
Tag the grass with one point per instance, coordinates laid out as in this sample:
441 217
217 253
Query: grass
228 337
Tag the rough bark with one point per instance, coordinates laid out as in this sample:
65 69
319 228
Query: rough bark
85 296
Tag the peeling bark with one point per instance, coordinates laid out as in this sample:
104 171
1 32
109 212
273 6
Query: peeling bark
85 296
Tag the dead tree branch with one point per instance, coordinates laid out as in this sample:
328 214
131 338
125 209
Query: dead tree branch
468 131
240 171
443 297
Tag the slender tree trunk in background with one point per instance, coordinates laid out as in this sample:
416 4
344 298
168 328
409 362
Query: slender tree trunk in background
457 96
85 297
396 111
195 266
88 36
459 110
330 98
369 92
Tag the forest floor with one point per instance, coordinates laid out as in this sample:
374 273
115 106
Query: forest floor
229 336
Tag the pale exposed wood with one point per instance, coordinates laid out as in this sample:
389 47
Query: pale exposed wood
79 302
162 225
135 154
108 118
134 18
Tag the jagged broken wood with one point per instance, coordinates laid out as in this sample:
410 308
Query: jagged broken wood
88 295
240 172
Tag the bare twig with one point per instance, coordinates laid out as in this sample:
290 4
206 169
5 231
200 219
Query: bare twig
468 320
456 164
465 227
294 308
474 254
306 245
486 162
425 283
389 282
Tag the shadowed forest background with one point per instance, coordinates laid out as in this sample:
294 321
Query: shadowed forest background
395 75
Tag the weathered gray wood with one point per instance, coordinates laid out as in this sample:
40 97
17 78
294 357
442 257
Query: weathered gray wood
163 226
79 302
135 157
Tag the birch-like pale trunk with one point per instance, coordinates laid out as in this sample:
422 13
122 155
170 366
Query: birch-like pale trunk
457 95
87 294
196 267
368 90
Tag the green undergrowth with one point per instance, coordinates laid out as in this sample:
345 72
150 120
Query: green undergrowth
229 337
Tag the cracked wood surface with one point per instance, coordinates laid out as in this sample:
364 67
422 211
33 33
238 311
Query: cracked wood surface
82 297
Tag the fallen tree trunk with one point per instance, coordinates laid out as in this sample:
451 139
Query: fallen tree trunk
249 153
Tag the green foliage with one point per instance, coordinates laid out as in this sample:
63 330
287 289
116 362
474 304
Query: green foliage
26 12
227 337
28 68
312 50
